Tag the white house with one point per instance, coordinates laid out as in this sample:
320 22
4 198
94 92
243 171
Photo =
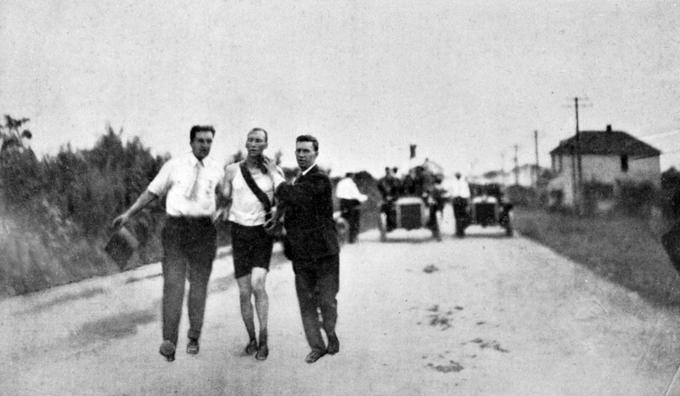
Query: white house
524 175
607 157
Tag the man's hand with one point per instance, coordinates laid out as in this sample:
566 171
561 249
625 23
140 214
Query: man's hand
120 220
270 165
221 214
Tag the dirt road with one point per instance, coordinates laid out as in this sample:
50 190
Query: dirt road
485 315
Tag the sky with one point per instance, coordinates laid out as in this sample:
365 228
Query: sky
464 80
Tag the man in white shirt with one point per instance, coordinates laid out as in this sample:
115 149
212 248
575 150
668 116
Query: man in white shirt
460 191
189 183
251 245
350 200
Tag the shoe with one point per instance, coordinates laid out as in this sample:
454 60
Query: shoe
333 345
262 352
251 347
167 349
314 355
192 346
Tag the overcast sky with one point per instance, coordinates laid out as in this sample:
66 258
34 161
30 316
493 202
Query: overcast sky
466 81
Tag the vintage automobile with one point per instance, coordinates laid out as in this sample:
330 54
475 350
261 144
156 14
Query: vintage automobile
409 212
487 208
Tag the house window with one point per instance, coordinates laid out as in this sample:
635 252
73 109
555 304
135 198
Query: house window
624 163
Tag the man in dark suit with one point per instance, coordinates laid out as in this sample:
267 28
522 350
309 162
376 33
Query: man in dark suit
311 243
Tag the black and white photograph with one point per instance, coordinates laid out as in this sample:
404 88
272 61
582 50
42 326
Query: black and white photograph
343 197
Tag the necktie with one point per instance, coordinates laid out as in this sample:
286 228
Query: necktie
193 192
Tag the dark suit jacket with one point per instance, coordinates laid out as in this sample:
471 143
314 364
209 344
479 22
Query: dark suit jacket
310 229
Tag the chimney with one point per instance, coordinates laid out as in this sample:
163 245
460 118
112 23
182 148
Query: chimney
412 148
609 127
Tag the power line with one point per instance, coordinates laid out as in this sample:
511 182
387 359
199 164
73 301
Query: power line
661 134
671 152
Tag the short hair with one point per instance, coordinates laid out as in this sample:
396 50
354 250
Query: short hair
308 138
200 128
395 169
266 135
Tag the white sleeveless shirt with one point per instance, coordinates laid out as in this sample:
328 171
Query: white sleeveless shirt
246 209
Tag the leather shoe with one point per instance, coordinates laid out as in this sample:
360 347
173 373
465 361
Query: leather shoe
262 352
314 355
192 346
251 347
167 349
333 345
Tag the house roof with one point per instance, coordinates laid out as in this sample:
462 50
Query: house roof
607 142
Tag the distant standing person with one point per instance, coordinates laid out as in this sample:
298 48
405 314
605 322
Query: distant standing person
246 187
189 183
390 188
350 202
311 243
460 191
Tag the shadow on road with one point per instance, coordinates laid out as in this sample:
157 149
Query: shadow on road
114 326
62 299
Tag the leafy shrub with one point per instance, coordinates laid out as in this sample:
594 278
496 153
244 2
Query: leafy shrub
57 210
635 199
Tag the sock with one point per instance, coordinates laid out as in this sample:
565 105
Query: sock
263 336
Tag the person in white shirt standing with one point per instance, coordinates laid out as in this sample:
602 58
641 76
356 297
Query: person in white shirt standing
248 213
460 191
189 237
350 201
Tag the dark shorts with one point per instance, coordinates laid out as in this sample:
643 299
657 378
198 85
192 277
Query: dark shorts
250 247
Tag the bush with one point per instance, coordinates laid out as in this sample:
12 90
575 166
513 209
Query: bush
635 199
57 210
670 194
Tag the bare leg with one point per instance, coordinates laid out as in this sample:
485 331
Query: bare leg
245 291
258 279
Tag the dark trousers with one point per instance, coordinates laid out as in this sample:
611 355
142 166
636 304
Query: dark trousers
189 246
317 284
460 214
349 208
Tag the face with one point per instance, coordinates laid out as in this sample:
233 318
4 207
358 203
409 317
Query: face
305 154
256 143
200 146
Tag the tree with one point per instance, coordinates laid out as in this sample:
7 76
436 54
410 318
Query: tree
11 135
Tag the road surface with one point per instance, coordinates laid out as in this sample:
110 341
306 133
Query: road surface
485 315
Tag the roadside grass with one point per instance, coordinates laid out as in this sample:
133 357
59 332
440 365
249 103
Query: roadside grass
621 249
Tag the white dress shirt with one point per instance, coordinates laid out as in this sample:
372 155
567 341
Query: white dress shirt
460 188
189 185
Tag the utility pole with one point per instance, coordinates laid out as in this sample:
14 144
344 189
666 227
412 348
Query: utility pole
537 168
576 167
579 168
516 167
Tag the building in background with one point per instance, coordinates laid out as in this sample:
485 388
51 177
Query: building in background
608 158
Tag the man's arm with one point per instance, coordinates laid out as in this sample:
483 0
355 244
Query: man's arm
305 190
144 199
225 199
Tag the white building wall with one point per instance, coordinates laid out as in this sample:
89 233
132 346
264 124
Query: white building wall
607 169
563 179
604 169
646 169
